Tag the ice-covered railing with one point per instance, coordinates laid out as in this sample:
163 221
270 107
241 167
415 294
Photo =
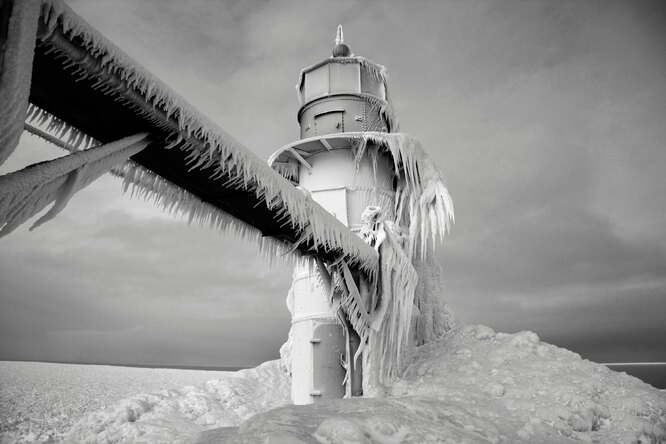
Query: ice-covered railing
85 53
143 183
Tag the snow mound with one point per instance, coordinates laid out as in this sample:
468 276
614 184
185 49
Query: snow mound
544 390
173 415
477 386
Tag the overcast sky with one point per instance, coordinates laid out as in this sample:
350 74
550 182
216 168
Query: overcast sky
548 120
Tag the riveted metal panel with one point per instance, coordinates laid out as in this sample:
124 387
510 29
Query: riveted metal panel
359 114
374 119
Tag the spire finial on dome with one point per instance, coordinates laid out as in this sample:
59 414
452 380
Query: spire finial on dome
340 50
339 38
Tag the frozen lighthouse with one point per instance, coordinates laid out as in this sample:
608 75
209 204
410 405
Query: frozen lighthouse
351 332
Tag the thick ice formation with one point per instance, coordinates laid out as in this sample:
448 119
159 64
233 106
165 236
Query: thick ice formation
26 192
206 144
422 201
470 386
177 414
40 402
57 131
477 386
380 310
434 317
16 73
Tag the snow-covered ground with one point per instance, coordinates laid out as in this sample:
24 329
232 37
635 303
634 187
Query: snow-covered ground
176 415
477 386
41 401
471 386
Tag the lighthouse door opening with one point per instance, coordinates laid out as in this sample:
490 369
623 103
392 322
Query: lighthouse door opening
329 122
328 357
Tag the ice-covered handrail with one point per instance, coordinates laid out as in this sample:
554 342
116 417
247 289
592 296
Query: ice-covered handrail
206 145
143 183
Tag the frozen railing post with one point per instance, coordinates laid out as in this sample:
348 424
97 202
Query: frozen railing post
347 160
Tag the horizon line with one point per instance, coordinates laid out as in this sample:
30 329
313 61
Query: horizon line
633 363
125 364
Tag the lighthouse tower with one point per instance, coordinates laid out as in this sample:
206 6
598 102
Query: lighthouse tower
341 98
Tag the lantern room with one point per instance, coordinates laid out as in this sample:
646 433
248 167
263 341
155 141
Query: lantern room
343 93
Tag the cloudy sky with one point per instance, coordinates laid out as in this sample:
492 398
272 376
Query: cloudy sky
548 120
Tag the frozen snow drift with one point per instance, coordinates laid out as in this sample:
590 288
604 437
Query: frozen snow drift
175 415
477 386
470 386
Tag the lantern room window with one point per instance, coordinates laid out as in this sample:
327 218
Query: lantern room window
344 77
316 83
332 78
341 78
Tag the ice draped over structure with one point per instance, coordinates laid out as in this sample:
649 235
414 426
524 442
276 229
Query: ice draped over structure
374 274
389 314
207 146
24 193
348 122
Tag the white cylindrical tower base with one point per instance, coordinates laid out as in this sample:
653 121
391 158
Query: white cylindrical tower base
318 342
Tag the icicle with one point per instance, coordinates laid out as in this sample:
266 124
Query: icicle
421 203
204 142
26 192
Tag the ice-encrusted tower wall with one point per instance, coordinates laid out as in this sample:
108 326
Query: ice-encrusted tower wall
341 97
